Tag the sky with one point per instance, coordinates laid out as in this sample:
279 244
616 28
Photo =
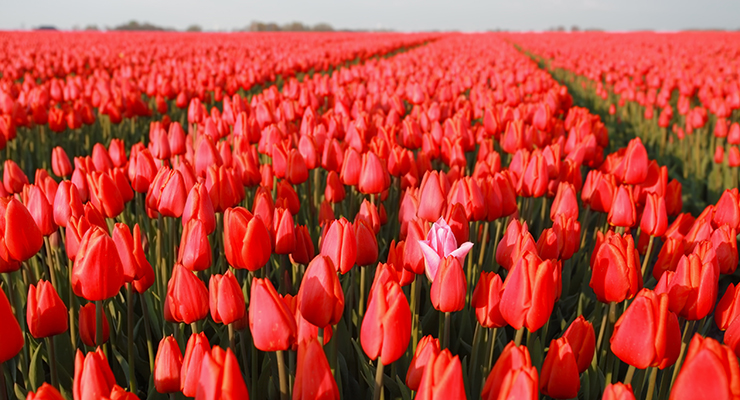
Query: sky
400 15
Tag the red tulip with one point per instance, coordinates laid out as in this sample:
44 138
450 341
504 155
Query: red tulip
13 177
320 298
427 350
12 337
46 314
195 351
271 322
654 220
516 241
449 286
79 179
195 250
622 212
529 293
100 158
728 308
693 289
223 187
104 194
334 191
565 202
283 230
97 273
339 243
513 376
117 153
724 241
199 206
88 325
167 366
187 297
710 371
313 379
560 375
647 334
226 299
727 210
534 179
67 203
60 164
673 199
93 378
582 340
130 252
369 213
615 268
45 392
442 378
169 198
304 250
432 189
246 240
486 299
305 330
634 166
40 209
386 326
367 244
220 377
618 391
21 238
458 222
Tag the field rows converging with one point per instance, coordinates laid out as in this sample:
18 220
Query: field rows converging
678 91
361 215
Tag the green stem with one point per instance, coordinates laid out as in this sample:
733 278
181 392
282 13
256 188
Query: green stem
490 349
499 225
130 334
416 293
232 338
363 278
473 373
148 331
630 374
518 337
50 263
284 395
99 323
448 318
688 330
651 383
52 361
378 391
647 258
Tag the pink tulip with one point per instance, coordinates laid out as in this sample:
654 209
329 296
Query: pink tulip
440 243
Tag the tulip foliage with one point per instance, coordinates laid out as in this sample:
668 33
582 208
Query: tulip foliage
295 216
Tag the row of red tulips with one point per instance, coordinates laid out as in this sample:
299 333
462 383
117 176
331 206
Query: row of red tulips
681 103
424 159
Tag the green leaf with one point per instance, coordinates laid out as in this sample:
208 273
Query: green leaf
366 370
36 369
19 392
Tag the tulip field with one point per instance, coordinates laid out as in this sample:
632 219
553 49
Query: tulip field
369 215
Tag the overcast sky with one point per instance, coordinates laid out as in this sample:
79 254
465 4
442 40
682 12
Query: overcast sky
402 15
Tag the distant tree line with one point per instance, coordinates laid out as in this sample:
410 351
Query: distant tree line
258 26
255 26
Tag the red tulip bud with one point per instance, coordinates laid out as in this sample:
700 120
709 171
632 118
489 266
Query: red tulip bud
46 314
